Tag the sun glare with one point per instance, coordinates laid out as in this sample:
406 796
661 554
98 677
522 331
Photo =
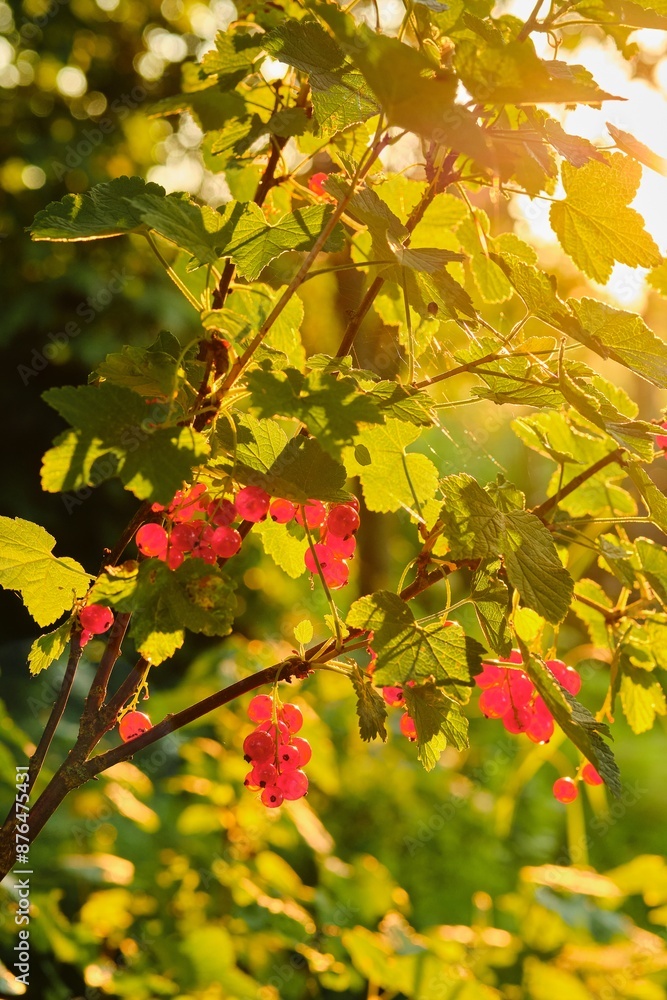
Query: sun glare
643 113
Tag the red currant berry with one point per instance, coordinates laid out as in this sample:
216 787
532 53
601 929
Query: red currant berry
567 676
590 775
292 717
514 657
520 686
293 784
541 727
259 746
250 780
264 774
336 574
272 797
517 719
494 702
226 542
342 520
187 504
96 618
175 558
661 439
490 676
221 512
132 725
282 511
85 637
393 696
315 182
152 540
314 513
343 548
324 557
252 503
304 748
184 537
288 757
408 728
565 790
270 728
260 708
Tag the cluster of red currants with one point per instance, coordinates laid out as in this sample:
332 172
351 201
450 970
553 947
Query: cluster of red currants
195 525
511 696
275 753
565 789
202 528
94 619
336 527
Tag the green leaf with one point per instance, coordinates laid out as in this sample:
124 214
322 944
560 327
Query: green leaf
252 242
623 336
655 499
287 545
297 470
537 290
150 372
577 723
476 528
391 477
490 279
49 648
438 720
331 408
410 651
165 602
594 620
636 149
119 433
371 708
105 210
232 58
594 225
504 70
490 597
48 585
642 697
303 632
653 563
404 82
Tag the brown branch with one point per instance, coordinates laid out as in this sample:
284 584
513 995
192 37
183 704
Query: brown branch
39 756
98 688
574 484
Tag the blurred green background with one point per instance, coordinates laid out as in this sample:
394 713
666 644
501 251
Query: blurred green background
166 878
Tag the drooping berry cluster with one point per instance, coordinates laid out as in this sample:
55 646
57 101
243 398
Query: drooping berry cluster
195 526
510 695
94 620
202 528
334 528
565 789
275 752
